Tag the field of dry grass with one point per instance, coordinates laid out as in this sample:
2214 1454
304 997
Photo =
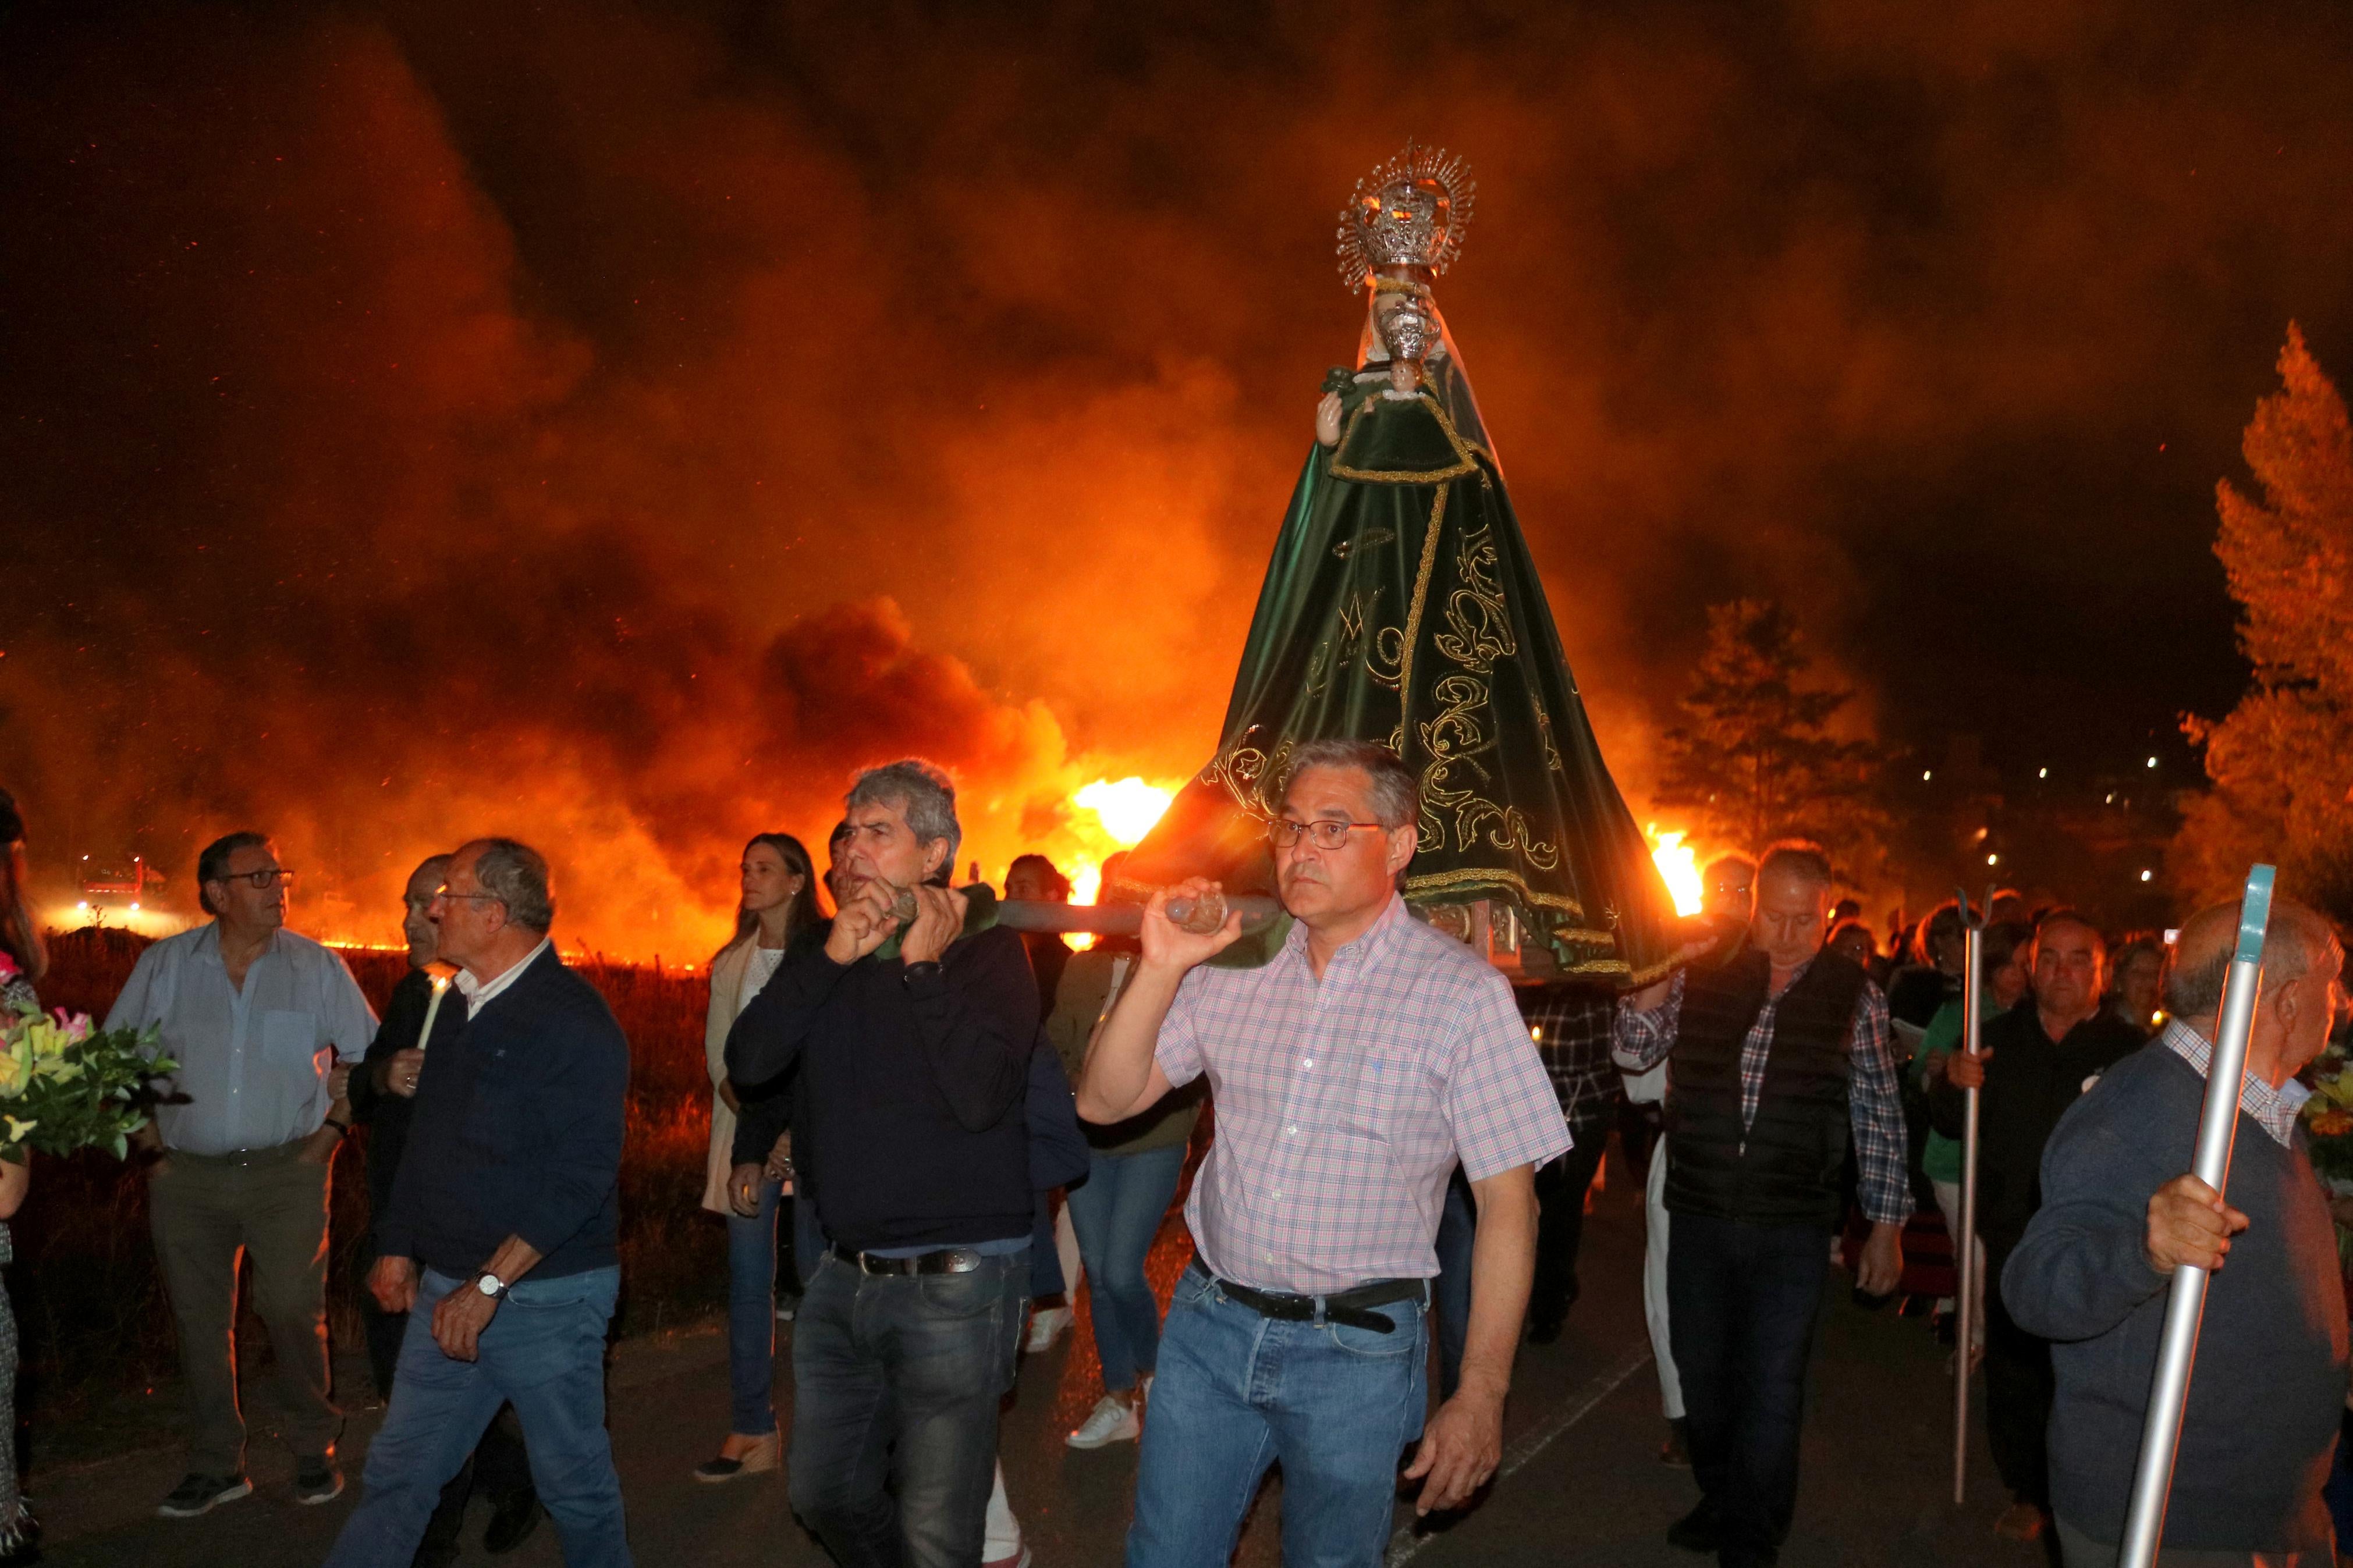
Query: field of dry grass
85 1285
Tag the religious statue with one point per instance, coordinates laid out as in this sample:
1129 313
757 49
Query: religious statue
1401 605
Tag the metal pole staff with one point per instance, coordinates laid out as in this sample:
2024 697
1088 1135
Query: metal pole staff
1965 1244
2185 1302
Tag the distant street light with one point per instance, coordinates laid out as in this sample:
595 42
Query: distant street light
2042 773
1927 773
2152 762
2145 875
1993 859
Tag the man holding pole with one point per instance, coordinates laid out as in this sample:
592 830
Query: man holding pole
2036 1060
2119 1217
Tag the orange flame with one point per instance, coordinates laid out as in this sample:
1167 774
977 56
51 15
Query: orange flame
1679 864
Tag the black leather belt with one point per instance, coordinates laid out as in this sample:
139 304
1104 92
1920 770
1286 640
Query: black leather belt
945 1260
1352 1307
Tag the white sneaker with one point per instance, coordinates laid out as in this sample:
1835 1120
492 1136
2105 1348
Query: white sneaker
1113 1421
1046 1326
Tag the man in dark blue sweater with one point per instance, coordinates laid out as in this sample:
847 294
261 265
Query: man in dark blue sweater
2118 1215
914 1043
509 1187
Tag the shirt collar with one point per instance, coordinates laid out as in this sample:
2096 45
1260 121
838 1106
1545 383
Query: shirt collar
1360 950
480 993
2273 1110
208 943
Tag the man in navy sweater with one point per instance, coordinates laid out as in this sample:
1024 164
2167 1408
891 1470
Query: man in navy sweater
914 1042
2119 1215
509 1187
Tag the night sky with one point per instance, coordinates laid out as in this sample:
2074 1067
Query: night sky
613 422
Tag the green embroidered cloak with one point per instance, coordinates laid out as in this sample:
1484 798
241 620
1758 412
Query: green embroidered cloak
1402 606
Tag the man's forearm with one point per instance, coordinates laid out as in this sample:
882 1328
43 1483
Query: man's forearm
1503 1266
1118 1068
514 1259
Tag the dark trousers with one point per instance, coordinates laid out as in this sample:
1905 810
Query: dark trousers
1561 1187
1449 1293
1741 1301
897 1380
209 1211
2020 1387
499 1465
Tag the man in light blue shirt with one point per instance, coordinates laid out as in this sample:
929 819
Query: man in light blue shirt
263 1025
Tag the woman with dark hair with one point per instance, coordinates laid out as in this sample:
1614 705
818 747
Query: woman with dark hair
779 913
20 934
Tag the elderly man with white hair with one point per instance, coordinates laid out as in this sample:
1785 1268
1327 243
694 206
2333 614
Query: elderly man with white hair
2119 1215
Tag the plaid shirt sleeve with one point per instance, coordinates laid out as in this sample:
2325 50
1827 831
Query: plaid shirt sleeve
1875 1108
1178 1047
1499 1101
1640 1041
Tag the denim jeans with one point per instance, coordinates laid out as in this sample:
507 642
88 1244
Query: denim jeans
544 1351
896 1384
1117 1211
1742 1301
1236 1392
752 1316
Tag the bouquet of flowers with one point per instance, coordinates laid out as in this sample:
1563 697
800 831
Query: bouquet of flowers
65 1086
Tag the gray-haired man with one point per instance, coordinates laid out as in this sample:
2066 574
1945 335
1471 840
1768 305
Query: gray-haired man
913 1041
503 1245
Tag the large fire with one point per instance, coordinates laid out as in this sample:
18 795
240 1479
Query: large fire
1679 864
1123 811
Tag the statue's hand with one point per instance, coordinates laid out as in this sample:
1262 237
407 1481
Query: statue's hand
1327 419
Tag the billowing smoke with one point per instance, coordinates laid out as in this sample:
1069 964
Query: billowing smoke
611 424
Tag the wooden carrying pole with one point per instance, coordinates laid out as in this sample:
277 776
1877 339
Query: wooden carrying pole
2185 1302
1965 1245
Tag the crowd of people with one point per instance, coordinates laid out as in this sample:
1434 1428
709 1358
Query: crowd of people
927 1128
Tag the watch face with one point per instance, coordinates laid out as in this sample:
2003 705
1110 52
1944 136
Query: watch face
489 1285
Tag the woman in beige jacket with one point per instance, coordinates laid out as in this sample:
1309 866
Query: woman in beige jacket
779 910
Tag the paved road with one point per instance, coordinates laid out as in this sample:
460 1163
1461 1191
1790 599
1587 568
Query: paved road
1583 1485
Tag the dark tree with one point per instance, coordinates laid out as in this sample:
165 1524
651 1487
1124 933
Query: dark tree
1755 759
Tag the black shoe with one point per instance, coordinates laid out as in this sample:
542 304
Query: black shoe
201 1494
1545 1330
512 1525
1696 1531
317 1480
1675 1452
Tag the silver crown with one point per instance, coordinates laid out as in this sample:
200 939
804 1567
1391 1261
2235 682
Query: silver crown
1410 212
1409 329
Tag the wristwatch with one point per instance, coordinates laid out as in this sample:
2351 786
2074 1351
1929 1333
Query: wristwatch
921 966
490 1285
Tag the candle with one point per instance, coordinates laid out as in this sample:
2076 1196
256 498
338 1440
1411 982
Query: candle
425 1035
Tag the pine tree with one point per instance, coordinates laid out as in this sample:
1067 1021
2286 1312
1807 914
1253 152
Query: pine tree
2281 763
1755 759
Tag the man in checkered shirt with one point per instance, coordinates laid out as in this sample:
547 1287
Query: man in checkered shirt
1781 1053
1351 1073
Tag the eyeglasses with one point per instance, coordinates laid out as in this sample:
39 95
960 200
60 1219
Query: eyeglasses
478 898
1324 834
262 880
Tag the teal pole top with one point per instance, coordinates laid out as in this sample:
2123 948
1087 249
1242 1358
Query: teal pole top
2255 914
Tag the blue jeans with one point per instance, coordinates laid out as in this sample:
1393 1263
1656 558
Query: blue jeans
1117 1211
544 1352
1741 1304
752 1316
1236 1392
896 1384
